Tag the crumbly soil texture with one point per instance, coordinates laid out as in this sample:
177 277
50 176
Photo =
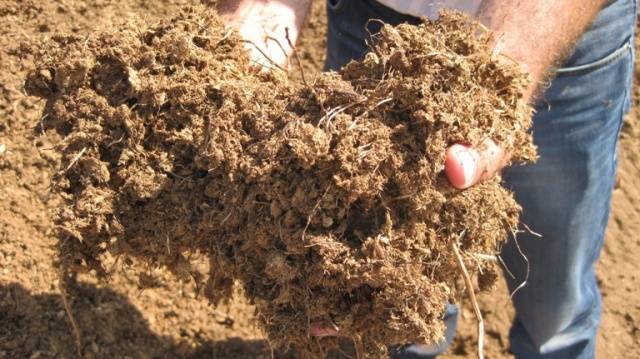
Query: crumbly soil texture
325 202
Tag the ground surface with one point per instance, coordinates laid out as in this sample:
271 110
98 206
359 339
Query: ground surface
120 319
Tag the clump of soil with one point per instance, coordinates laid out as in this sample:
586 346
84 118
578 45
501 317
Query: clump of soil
326 202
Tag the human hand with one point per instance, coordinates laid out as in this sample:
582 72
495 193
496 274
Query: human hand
465 166
268 27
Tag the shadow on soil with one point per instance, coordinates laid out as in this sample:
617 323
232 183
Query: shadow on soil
36 326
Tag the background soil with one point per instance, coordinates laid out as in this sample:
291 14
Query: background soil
121 320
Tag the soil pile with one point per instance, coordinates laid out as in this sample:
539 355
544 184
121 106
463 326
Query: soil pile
325 202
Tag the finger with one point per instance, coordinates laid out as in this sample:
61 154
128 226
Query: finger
319 331
466 166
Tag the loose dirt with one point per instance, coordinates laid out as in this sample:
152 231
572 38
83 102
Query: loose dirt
164 319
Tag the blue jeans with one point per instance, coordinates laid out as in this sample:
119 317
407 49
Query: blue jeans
565 196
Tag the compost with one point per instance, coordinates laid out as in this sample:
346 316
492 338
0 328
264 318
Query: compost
325 201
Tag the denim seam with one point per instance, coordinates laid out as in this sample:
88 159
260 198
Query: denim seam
627 100
592 66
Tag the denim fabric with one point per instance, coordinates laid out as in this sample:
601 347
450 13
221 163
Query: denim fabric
565 196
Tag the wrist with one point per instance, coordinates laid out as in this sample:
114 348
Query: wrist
505 40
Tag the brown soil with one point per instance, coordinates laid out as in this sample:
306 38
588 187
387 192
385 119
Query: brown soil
163 319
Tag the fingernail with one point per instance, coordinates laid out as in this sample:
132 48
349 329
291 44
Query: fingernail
468 163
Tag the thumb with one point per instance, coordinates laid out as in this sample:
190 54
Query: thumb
465 166
320 331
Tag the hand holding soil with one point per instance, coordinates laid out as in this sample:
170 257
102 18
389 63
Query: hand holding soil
270 28
326 203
